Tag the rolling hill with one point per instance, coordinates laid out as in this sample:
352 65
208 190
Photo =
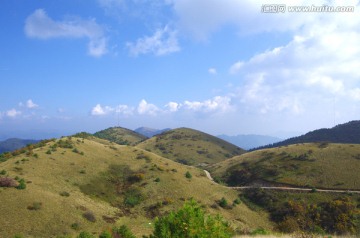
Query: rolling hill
190 147
14 144
344 133
121 136
319 165
75 184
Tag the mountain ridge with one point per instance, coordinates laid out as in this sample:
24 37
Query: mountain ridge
348 133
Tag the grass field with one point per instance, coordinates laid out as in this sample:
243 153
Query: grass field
73 187
319 165
191 147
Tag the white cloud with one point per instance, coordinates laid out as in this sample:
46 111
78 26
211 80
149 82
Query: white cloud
236 67
39 25
98 110
318 64
212 71
30 104
124 110
217 104
163 42
13 113
145 108
173 106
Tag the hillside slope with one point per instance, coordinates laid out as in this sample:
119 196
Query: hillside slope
190 147
344 133
76 184
14 144
320 165
121 136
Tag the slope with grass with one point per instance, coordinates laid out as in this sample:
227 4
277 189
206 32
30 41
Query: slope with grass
320 165
74 184
191 147
121 136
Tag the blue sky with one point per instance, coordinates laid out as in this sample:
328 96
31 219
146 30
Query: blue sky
223 67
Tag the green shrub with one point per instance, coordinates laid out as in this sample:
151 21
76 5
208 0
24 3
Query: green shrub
123 232
133 197
223 203
188 175
85 234
22 184
259 231
105 234
157 180
75 226
191 221
236 202
3 172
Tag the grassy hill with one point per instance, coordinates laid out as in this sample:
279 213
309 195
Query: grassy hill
14 143
75 184
121 136
319 165
190 147
344 133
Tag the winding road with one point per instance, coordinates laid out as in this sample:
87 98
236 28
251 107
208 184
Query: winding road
208 175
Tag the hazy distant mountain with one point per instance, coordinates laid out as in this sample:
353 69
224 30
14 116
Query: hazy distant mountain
250 141
150 132
14 144
344 133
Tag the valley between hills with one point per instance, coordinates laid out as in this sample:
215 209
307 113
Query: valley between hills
93 182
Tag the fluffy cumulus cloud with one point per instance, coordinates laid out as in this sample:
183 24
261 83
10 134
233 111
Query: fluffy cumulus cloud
217 104
164 41
29 104
173 106
319 63
146 108
13 113
99 110
40 26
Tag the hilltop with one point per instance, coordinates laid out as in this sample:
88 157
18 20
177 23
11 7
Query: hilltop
121 136
14 144
190 147
77 183
319 165
344 133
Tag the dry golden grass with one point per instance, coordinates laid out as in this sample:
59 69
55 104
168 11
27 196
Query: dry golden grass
191 147
335 166
50 175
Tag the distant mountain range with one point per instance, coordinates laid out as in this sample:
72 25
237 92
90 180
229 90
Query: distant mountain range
14 144
250 141
348 133
150 132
